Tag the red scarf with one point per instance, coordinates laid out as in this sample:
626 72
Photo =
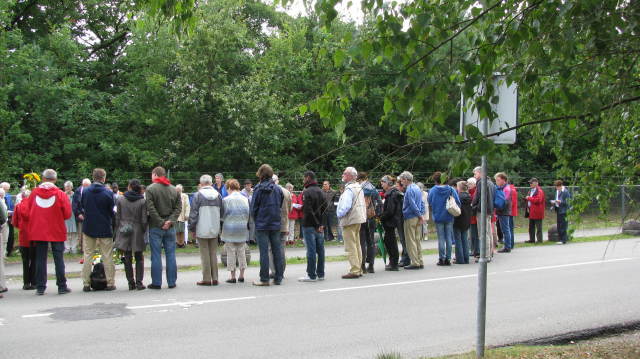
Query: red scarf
162 180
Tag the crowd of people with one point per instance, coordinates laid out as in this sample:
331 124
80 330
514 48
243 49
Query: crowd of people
97 217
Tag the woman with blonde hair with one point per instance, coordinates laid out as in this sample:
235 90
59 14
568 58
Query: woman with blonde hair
235 232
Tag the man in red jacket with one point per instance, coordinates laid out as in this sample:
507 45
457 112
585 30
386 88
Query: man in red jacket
535 210
45 210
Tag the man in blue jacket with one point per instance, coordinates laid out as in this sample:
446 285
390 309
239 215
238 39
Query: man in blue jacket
412 211
438 196
98 203
266 205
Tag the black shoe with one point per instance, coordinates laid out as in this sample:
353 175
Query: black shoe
422 266
231 280
109 288
370 269
132 286
153 286
240 280
271 276
140 286
447 262
391 268
410 267
529 241
172 286
39 292
440 262
28 287
86 288
64 290
5 289
505 250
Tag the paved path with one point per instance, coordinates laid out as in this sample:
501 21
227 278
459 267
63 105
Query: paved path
193 259
533 292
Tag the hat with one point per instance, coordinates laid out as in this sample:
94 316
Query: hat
533 179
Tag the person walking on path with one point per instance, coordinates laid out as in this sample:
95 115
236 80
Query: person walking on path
45 211
313 207
98 203
413 211
438 197
164 206
561 206
535 210
235 218
266 209
461 224
352 214
391 219
504 213
204 225
131 226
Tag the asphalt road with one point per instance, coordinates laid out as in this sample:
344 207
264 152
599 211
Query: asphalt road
533 292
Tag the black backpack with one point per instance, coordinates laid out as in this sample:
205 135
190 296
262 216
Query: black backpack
98 277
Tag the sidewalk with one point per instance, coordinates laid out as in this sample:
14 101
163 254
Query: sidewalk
193 259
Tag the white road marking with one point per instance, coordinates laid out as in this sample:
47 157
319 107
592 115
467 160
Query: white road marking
398 283
182 304
37 315
473 275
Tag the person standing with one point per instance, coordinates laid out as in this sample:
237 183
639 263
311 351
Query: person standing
98 203
461 224
164 206
131 226
352 214
182 218
71 245
266 209
313 207
45 211
10 208
473 227
285 210
413 211
235 217
504 213
78 212
391 219
425 217
219 185
204 225
478 173
247 192
27 247
535 210
438 197
373 205
404 255
561 206
329 218
4 215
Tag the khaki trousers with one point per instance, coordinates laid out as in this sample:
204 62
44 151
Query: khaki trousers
413 240
351 235
105 245
236 252
208 247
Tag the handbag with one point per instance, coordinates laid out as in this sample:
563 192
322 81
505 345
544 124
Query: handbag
126 228
452 207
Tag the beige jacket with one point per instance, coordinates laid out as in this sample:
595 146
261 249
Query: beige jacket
285 210
357 211
186 208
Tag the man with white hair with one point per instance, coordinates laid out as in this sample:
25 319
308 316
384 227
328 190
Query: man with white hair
352 213
46 210
10 205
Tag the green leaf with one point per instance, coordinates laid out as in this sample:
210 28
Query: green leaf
302 110
338 57
388 105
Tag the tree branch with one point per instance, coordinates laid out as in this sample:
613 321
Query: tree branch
106 44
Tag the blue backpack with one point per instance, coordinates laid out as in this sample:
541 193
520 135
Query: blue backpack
499 200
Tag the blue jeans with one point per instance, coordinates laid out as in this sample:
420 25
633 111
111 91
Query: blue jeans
462 246
513 232
505 226
158 239
330 221
266 239
315 247
445 240
57 250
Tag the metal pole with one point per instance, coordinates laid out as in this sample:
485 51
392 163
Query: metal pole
482 269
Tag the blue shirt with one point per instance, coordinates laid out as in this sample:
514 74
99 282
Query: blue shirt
412 206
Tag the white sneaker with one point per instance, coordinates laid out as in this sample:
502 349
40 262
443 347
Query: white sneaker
306 279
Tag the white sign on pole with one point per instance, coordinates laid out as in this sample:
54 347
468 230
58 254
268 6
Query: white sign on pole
506 109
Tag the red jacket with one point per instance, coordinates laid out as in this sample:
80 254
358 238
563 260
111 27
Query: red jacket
18 221
45 210
536 204
472 192
514 201
296 213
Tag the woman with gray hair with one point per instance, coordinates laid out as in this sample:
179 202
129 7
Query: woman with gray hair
219 185
71 244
